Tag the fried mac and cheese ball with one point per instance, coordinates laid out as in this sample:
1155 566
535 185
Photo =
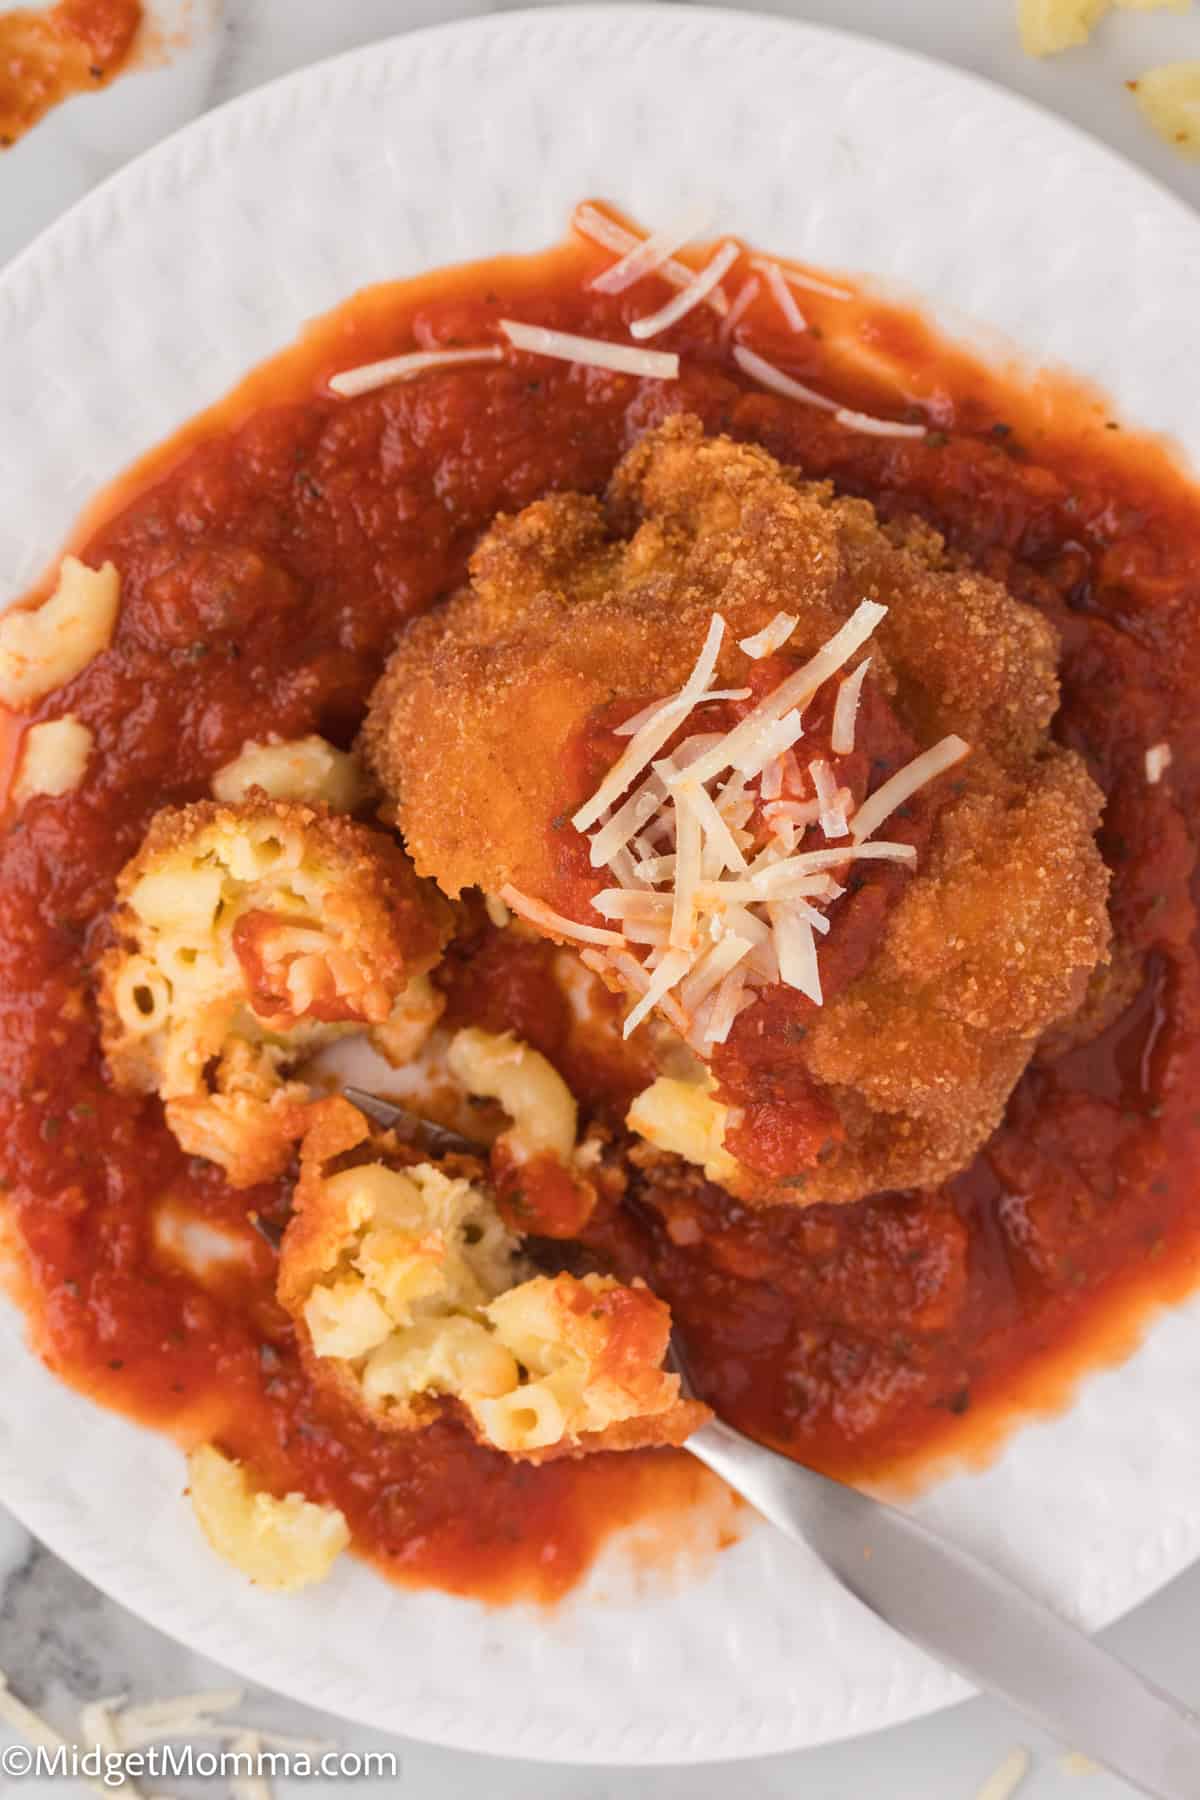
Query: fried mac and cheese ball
409 1291
247 936
858 1015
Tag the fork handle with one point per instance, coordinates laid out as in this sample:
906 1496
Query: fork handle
969 1617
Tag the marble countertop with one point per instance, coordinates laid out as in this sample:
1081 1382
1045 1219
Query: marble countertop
61 1642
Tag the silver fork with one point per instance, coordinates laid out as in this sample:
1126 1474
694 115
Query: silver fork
966 1615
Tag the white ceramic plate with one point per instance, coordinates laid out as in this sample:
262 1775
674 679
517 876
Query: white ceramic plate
143 305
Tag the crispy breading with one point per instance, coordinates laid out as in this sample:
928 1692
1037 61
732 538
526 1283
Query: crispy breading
245 937
409 1294
475 731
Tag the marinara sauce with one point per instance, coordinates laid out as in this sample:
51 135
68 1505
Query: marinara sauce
46 56
269 556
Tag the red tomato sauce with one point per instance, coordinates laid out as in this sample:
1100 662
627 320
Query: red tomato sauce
46 56
269 555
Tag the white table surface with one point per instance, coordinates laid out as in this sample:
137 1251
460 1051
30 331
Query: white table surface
58 1637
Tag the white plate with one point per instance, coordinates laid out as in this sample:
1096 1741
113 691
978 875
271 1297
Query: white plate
144 304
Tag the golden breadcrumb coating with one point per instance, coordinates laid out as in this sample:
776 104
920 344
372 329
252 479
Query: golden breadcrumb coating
409 1293
246 936
578 606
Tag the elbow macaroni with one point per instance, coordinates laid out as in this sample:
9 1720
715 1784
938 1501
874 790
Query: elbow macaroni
279 1544
307 769
532 1093
1048 26
45 647
409 1289
54 759
1169 98
683 1117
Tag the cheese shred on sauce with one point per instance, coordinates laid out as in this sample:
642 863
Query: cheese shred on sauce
595 353
374 375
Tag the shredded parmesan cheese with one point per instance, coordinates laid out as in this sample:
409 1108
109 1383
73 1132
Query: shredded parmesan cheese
591 223
796 948
97 1728
620 903
631 817
496 911
673 965
872 427
751 363
113 1727
797 690
783 296
1158 761
374 375
1007 1778
905 782
772 637
744 298
770 784
650 253
713 967
731 995
832 815
712 897
157 1719
796 812
555 923
649 740
772 742
798 280
629 726
596 353
35 1730
688 842
248 1785
689 297
22 1718
845 709
697 800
